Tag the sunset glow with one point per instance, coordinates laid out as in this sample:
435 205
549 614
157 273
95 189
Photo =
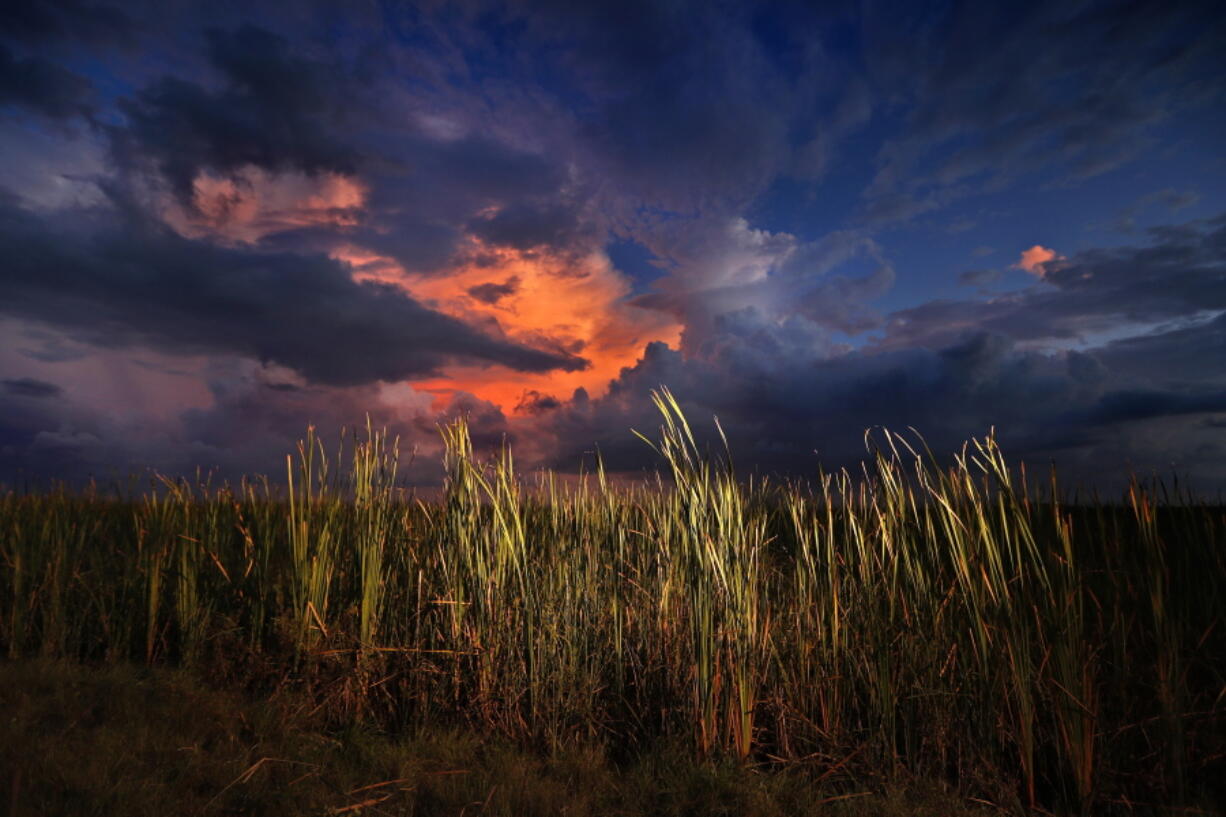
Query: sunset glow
577 305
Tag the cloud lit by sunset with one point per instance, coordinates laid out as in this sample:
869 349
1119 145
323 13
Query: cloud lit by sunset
795 217
577 305
1034 260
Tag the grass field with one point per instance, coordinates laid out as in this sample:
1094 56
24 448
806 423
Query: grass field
943 626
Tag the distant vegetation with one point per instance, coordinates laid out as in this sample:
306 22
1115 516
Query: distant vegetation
909 621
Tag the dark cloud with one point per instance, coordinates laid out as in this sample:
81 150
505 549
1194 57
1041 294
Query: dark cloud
524 225
1122 406
533 402
42 86
492 293
1172 359
50 347
807 412
30 387
276 111
429 195
686 108
127 282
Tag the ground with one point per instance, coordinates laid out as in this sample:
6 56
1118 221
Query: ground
126 740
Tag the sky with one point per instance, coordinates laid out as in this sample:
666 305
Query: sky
223 222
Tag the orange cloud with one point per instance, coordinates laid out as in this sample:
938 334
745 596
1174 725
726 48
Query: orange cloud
572 304
1034 259
250 204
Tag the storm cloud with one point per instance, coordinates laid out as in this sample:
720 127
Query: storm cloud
226 223
123 282
955 369
803 415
